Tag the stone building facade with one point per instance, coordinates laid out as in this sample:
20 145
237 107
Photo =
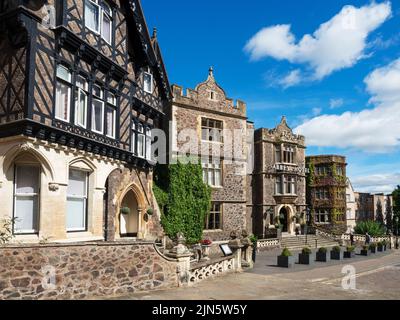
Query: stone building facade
208 125
326 191
82 85
351 207
278 181
375 207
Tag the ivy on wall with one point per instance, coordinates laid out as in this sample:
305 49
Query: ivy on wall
184 199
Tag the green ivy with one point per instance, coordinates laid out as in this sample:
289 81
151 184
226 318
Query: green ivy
184 199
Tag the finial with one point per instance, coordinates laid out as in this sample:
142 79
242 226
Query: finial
211 71
283 119
154 33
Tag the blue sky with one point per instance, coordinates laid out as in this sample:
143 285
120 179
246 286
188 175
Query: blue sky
330 66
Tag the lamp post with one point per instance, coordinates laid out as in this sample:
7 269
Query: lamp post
396 220
308 214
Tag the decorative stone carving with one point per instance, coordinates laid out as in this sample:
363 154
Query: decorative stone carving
54 187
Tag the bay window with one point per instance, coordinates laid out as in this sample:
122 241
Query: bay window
63 93
26 199
81 100
77 200
212 174
285 185
97 109
98 18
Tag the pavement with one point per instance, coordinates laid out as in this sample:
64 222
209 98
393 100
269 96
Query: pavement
376 277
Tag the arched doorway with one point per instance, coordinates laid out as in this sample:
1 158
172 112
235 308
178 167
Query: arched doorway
129 215
284 219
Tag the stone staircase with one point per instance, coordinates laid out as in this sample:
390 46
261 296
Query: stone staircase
313 241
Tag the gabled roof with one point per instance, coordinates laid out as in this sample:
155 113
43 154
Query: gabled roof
149 46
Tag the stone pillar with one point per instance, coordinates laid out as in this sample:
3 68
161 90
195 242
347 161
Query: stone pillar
236 245
141 225
182 254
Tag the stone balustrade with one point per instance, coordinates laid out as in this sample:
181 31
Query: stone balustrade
211 269
267 244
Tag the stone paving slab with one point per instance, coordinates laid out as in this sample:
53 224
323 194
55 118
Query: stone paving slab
378 277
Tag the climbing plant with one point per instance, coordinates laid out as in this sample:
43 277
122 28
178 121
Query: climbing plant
184 199
6 233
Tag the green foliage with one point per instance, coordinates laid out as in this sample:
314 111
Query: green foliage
322 250
379 213
350 248
384 243
306 250
184 199
253 238
125 210
389 215
336 249
373 228
372 246
365 248
396 203
286 253
311 175
6 234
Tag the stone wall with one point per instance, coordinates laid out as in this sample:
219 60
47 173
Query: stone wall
83 271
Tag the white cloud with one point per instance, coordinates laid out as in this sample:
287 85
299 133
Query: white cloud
370 130
316 111
336 103
337 44
376 183
293 78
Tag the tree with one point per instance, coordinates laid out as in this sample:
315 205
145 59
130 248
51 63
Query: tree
184 199
379 212
372 227
389 215
396 201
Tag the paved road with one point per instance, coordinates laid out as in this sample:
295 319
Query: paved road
378 277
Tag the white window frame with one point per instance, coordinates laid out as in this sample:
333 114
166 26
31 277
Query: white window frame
111 105
148 143
83 197
80 91
212 170
109 16
62 81
26 195
141 152
98 99
95 2
151 82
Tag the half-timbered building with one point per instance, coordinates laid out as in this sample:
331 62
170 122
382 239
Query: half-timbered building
82 85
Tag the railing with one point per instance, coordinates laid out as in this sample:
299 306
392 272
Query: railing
267 243
361 238
212 269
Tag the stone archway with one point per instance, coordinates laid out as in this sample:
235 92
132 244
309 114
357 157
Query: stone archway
130 213
129 220
284 219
